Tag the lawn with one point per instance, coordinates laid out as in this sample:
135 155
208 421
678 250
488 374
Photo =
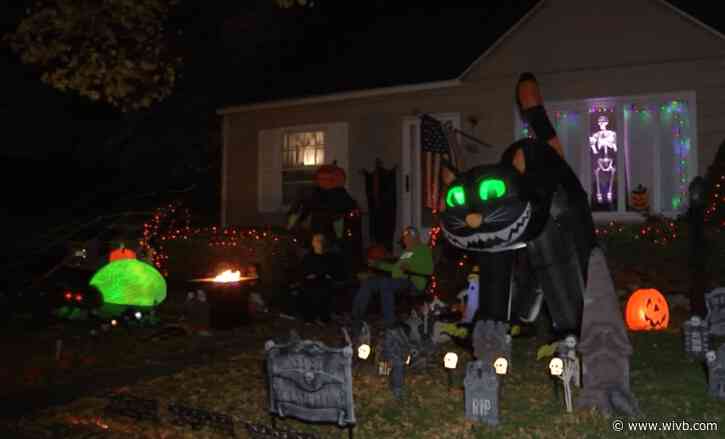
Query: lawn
231 378
669 388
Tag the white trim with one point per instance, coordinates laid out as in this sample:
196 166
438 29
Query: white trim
693 19
225 143
503 37
341 96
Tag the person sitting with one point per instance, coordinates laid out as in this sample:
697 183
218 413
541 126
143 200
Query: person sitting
409 271
319 270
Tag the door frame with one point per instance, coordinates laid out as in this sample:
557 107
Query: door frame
410 159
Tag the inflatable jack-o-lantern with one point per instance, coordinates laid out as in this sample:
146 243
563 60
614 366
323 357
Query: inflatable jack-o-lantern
330 176
647 310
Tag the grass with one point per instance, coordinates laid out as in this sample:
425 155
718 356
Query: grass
668 387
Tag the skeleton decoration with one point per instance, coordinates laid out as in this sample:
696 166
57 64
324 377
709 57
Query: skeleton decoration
716 373
481 393
715 301
396 350
531 206
696 338
601 142
562 369
420 340
567 351
491 341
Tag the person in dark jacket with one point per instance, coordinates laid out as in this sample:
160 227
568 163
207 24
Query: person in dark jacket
319 270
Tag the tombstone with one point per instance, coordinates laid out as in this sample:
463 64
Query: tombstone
696 338
491 341
604 345
396 350
715 302
716 373
481 393
310 382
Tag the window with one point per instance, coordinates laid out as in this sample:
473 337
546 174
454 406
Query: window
643 145
302 153
288 158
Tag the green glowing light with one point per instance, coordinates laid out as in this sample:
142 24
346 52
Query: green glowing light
491 188
456 196
130 282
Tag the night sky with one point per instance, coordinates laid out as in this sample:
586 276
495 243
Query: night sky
235 52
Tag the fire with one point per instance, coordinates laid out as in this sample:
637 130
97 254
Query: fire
228 276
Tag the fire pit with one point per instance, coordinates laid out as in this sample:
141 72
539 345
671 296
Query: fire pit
228 297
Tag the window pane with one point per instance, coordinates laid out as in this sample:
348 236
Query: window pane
304 149
641 123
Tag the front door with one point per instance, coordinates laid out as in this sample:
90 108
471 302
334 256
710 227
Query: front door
413 207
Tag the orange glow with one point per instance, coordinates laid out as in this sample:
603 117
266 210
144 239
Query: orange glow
228 276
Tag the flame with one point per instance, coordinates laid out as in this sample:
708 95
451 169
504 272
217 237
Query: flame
228 276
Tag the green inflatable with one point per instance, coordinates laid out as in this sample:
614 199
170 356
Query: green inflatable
129 282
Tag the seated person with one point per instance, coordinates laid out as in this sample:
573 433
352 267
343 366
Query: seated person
319 269
410 270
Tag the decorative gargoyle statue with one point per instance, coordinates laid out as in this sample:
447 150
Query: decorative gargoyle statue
532 205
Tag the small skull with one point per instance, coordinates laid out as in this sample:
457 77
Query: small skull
201 295
710 357
501 365
363 351
556 366
450 360
695 320
570 342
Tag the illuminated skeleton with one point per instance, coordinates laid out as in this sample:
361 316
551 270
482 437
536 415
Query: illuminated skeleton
562 369
601 142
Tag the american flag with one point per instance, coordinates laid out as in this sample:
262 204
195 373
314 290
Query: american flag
438 143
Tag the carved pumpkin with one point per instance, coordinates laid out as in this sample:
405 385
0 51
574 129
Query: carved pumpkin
639 199
647 310
330 176
376 252
121 253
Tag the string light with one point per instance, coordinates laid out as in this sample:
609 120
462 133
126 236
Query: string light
681 143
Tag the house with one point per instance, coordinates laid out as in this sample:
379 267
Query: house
634 88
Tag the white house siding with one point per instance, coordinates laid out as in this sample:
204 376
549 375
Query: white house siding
650 50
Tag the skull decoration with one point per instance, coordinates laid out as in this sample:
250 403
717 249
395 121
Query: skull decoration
501 365
570 342
710 357
450 360
556 366
363 351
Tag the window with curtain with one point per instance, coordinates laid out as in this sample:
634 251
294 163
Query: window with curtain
627 149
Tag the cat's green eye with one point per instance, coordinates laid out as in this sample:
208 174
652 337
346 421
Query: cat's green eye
491 188
456 196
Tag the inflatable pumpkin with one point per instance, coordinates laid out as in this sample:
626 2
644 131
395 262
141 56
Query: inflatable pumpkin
647 310
121 253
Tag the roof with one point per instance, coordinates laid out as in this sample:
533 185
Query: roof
409 51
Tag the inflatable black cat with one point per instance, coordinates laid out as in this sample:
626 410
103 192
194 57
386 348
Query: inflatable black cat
496 210
529 222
